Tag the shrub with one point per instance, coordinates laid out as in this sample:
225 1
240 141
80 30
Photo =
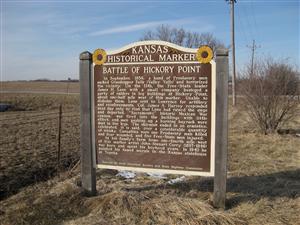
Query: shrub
271 94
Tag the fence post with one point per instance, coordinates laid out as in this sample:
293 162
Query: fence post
222 72
59 137
88 167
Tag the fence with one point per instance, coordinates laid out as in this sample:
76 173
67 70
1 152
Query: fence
36 145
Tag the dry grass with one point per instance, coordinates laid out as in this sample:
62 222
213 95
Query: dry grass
60 202
269 199
263 188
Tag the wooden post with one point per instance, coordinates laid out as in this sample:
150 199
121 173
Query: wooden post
59 138
68 84
88 164
222 72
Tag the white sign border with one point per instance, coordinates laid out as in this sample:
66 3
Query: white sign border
213 114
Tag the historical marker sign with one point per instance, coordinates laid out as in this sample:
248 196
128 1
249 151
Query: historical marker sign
153 108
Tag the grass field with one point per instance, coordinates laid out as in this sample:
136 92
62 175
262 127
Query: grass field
263 184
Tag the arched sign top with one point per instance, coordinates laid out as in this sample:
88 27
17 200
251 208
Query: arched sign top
152 42
153 52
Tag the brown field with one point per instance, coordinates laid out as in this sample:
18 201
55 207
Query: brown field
40 86
263 179
29 138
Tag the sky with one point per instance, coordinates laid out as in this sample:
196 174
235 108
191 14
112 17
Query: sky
43 39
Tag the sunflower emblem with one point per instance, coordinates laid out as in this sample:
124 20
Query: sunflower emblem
99 56
204 54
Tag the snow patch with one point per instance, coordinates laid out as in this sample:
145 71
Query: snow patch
157 175
176 180
126 174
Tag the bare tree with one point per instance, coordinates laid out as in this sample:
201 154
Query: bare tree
182 37
270 94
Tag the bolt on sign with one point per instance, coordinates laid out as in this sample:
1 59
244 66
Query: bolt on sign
153 108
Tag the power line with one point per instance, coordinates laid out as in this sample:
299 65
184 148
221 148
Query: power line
255 21
241 24
233 50
253 47
247 19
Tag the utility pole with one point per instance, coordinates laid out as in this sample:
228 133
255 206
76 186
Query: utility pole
231 2
253 48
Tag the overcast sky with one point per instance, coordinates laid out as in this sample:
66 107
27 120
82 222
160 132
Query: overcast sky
43 39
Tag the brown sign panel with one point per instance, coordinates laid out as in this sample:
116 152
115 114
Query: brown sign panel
154 109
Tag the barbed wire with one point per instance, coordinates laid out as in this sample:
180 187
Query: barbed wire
71 116
31 116
31 121
27 150
28 113
38 115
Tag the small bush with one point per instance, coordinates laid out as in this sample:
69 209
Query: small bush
271 94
